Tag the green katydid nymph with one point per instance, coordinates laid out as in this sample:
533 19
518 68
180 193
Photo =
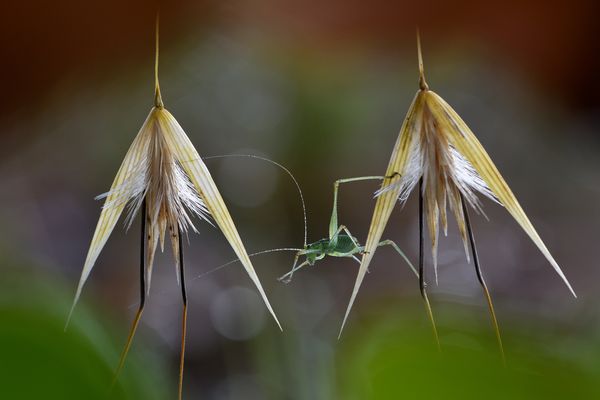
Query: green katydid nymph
340 242
438 155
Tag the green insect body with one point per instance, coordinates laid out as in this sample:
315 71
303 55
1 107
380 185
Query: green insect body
340 243
344 246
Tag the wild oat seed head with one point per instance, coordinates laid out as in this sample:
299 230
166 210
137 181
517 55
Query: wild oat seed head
437 146
163 168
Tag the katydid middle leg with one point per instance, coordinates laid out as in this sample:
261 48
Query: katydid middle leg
345 229
395 246
351 237
412 267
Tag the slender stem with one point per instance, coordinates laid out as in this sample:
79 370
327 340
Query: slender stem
481 279
184 316
138 314
422 283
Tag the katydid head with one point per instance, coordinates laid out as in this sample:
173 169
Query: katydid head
316 251
312 252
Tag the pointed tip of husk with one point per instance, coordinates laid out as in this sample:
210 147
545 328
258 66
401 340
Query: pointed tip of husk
422 82
202 180
343 325
469 146
158 102
568 285
68 322
366 260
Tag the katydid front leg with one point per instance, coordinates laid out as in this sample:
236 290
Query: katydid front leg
288 277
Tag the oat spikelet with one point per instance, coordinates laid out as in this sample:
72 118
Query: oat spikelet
163 167
436 145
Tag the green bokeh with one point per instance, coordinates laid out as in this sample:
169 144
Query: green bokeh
396 358
39 360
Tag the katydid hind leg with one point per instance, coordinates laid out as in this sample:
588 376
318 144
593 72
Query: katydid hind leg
333 223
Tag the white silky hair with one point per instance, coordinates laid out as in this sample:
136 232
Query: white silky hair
187 199
459 171
131 192
468 181
179 194
413 171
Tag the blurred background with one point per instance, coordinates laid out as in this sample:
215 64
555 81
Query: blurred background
322 87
